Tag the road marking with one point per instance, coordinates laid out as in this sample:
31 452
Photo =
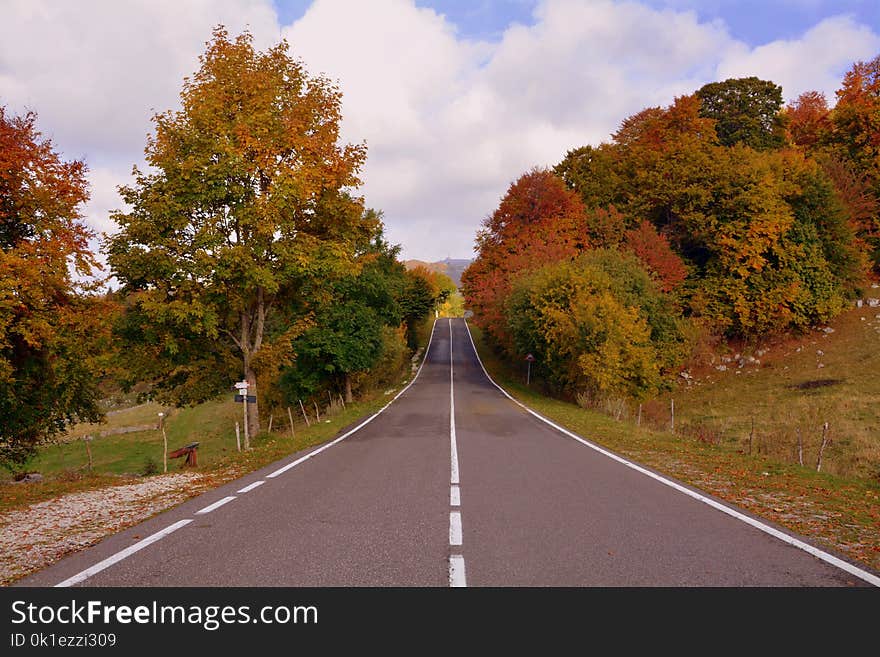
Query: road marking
455 527
452 442
457 576
456 561
216 505
282 470
122 554
757 524
119 556
250 487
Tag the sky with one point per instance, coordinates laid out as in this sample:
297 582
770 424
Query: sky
454 99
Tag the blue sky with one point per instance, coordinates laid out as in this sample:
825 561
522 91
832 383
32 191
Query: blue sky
753 21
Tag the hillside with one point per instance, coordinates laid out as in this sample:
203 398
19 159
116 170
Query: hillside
452 267
788 386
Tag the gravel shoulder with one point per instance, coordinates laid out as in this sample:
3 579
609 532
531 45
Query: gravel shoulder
40 534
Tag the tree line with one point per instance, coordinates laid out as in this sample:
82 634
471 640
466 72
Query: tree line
244 253
724 214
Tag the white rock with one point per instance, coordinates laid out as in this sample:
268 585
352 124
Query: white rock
820 366
828 329
858 303
721 368
819 352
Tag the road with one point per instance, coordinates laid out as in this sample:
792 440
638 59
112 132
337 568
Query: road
452 484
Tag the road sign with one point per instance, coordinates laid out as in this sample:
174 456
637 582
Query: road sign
529 359
252 399
242 385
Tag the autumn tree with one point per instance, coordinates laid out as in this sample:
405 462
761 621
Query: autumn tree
538 221
50 327
808 120
856 119
744 222
244 215
746 111
596 324
656 254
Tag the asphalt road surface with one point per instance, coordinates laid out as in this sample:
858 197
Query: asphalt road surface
452 484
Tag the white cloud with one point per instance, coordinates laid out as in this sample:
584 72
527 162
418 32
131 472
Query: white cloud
449 121
96 70
815 62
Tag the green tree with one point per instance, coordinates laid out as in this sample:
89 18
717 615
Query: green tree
746 111
50 327
346 337
243 216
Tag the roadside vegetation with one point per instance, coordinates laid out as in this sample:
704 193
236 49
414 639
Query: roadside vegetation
839 512
700 293
245 254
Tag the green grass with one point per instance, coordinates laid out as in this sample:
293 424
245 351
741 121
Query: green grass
212 425
118 458
841 512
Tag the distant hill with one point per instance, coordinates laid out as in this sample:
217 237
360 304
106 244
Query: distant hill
452 267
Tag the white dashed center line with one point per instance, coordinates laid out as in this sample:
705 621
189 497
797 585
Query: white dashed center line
216 505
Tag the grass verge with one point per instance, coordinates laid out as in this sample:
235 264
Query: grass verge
120 459
839 513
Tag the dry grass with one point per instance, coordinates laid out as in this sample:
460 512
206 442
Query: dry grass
789 393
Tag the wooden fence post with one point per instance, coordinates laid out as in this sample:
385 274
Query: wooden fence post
825 441
305 417
800 446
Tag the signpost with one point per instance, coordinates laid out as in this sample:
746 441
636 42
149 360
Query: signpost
529 359
242 387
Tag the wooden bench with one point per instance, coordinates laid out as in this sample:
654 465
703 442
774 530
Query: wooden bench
189 451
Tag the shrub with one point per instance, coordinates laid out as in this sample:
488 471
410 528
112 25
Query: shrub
150 467
597 325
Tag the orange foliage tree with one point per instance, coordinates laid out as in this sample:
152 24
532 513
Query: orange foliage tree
538 221
48 325
808 119
656 254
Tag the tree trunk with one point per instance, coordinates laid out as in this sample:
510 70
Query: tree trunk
253 407
347 388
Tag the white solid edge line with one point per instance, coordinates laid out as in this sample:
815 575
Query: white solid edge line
453 446
119 556
457 577
455 528
315 452
757 524
454 496
250 487
216 505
